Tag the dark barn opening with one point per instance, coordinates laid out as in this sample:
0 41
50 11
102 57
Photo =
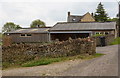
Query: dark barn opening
66 36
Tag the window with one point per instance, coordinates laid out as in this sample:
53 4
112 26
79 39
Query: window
22 35
26 35
73 19
106 33
29 35
96 32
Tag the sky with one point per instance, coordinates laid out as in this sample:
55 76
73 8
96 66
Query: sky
23 12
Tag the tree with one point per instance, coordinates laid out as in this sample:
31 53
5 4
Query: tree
10 26
112 19
37 23
100 14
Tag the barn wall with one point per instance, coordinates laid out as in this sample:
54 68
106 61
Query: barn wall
34 38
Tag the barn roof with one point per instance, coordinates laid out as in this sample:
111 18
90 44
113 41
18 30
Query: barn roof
84 26
31 30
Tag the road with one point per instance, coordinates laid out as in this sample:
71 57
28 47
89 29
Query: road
106 65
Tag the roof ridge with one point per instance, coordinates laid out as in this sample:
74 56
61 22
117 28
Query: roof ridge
81 22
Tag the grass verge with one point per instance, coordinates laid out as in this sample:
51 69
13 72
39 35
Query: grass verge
116 41
46 61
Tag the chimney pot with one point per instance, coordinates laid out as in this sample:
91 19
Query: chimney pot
92 14
68 13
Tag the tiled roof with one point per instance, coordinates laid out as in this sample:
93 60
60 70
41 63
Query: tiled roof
72 17
84 26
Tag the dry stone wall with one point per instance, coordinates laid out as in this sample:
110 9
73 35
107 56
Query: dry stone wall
26 52
108 40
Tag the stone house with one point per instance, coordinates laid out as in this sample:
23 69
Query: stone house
76 18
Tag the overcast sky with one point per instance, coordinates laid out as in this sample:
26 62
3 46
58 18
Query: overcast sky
23 12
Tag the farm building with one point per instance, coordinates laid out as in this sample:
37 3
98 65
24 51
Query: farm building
64 30
29 35
75 27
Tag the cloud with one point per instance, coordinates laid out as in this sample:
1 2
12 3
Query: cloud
23 13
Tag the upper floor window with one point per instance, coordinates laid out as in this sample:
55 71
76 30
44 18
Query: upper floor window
73 19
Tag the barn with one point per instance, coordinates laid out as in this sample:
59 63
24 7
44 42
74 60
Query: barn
29 35
64 30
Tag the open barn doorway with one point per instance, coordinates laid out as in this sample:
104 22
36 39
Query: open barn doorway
66 36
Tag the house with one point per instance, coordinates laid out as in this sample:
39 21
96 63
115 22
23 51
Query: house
64 30
29 35
85 18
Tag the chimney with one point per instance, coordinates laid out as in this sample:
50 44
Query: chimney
92 13
68 13
38 26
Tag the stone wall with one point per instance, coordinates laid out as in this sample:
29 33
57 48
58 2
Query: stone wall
108 40
24 52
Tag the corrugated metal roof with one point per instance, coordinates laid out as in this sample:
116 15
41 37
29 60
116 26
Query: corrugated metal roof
84 26
31 30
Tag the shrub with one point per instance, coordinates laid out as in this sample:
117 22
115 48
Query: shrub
96 35
116 41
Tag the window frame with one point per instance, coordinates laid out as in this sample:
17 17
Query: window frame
106 32
25 35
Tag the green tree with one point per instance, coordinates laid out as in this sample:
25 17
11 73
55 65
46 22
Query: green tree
100 14
37 23
10 26
112 19
116 19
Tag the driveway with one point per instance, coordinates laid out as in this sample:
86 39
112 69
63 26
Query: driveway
106 65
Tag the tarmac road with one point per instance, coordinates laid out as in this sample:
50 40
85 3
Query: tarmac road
106 65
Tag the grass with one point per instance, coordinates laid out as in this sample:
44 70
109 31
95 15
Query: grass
46 61
116 41
0 43
97 35
43 61
0 35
